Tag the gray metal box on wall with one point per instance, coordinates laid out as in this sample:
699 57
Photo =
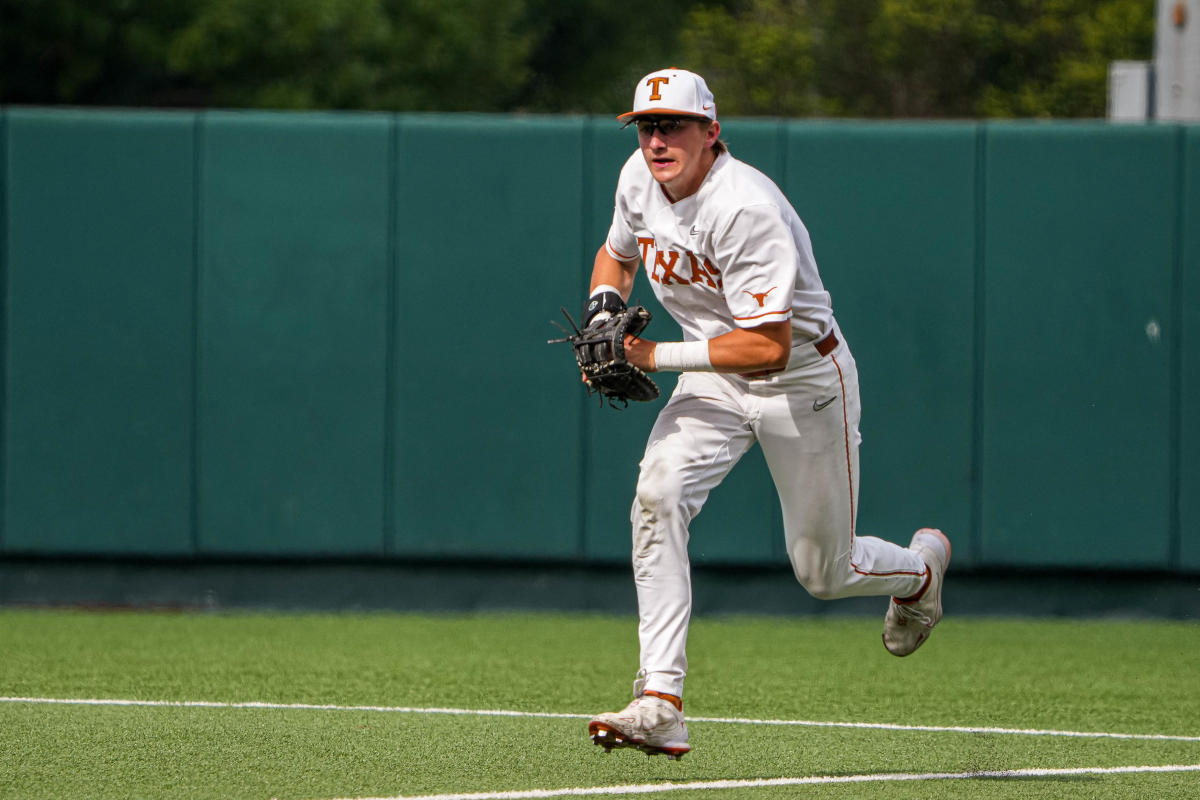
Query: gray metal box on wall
1130 91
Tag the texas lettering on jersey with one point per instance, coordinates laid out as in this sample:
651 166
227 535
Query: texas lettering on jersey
670 267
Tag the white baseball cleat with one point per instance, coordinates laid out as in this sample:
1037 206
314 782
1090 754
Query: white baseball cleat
650 724
909 622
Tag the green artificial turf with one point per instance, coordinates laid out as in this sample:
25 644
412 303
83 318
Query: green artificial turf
1097 676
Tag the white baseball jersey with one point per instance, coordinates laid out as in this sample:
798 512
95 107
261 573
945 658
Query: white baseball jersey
734 254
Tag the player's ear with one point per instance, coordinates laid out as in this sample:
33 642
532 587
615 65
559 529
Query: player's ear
712 134
712 138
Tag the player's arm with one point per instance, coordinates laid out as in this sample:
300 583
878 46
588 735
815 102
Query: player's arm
766 347
608 271
612 282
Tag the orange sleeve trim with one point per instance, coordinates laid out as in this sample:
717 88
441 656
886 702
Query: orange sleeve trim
765 314
617 254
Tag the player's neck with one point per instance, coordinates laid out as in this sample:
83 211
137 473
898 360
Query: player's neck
676 193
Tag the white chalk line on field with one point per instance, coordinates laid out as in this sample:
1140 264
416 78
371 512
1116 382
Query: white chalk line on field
476 712
653 788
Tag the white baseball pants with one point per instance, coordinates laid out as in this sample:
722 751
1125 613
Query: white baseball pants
811 449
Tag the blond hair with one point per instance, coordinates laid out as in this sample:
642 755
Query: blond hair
719 146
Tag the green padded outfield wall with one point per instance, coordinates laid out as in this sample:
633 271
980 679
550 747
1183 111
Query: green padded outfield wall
247 334
99 327
292 348
1081 228
487 425
1188 308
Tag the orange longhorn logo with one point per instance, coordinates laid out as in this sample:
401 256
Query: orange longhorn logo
761 297
654 83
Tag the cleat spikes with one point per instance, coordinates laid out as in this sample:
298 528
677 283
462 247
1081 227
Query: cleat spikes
607 738
657 751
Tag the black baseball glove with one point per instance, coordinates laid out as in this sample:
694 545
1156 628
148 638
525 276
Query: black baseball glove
600 353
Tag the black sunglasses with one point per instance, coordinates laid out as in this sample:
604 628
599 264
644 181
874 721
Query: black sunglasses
666 125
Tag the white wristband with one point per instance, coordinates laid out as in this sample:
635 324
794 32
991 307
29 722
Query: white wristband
682 356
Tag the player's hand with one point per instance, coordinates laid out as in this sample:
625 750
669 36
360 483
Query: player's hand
640 352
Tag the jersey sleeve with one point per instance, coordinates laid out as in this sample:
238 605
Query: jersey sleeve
758 255
621 242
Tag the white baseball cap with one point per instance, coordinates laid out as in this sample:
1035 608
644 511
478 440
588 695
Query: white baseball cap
672 91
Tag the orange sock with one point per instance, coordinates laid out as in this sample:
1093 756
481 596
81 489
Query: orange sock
670 698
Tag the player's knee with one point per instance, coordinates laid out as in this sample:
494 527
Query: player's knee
658 488
816 574
819 587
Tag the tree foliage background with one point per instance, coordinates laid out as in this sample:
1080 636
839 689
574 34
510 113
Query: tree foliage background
854 58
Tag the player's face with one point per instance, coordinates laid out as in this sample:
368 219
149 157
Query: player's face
677 150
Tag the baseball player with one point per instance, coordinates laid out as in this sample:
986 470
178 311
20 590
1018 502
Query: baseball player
762 360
